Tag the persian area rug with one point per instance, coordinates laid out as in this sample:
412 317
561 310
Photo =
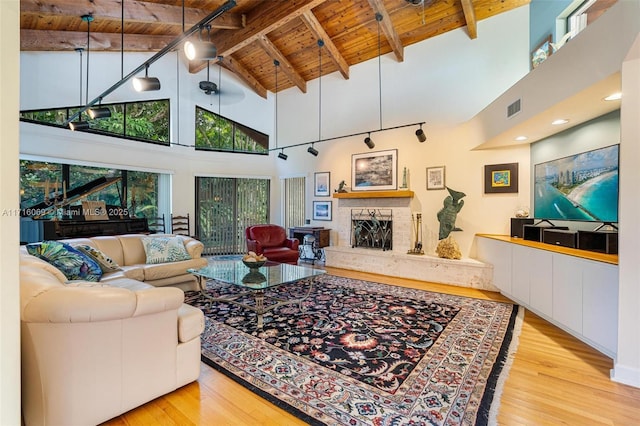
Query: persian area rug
364 353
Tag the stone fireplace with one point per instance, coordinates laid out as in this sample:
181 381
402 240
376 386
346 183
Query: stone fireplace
373 232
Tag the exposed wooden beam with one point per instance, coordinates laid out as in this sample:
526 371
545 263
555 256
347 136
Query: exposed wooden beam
387 28
244 75
262 22
135 11
288 69
470 17
35 40
319 33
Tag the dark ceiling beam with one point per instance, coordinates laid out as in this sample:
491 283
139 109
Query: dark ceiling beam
387 28
288 69
135 12
38 40
319 33
470 17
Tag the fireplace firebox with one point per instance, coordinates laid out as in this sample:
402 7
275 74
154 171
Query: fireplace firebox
372 228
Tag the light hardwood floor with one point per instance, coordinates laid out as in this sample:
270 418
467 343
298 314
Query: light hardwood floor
555 379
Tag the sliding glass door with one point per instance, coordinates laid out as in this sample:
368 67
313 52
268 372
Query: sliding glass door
225 207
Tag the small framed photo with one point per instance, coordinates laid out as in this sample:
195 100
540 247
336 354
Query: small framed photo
501 178
322 210
321 184
435 178
541 52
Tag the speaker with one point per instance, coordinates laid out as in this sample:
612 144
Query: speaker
560 237
517 226
534 232
600 241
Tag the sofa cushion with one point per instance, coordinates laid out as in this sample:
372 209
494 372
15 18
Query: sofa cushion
164 249
105 262
71 262
171 269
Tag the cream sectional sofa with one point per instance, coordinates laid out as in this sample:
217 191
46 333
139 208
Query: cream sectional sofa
94 350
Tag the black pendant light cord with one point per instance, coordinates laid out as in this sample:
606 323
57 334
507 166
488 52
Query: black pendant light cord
276 63
379 18
320 44
89 19
79 50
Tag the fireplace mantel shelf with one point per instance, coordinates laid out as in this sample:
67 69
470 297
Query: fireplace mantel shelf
374 194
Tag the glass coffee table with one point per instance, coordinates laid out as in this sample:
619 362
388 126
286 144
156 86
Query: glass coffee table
256 283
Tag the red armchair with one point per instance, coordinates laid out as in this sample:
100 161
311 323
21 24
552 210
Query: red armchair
272 242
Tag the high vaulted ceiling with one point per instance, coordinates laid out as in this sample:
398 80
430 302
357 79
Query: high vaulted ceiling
254 33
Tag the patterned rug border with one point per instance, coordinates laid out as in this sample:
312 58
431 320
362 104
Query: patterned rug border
489 405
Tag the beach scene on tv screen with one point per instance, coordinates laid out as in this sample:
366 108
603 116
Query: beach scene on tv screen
579 187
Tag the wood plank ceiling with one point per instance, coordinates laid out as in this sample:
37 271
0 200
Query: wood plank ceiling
254 33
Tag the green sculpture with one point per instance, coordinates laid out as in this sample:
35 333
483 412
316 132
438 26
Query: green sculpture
447 215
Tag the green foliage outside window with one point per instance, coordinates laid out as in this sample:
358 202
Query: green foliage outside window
214 132
144 121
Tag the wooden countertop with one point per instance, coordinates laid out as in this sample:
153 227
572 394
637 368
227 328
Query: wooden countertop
585 254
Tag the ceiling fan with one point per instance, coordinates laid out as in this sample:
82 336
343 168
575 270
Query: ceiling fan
226 96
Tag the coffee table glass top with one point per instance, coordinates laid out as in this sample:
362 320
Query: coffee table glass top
270 275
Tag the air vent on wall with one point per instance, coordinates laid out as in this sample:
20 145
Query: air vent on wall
513 109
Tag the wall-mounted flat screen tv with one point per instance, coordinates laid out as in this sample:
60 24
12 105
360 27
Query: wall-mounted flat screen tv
581 187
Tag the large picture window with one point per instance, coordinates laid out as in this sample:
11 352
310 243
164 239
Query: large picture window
142 121
217 133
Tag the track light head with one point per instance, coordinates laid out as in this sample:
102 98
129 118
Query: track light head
204 50
79 125
369 142
311 150
99 112
420 134
146 84
282 156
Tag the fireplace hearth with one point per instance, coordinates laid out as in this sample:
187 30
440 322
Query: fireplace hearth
372 228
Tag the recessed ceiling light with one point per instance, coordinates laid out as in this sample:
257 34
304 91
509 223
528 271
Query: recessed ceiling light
614 97
559 121
521 138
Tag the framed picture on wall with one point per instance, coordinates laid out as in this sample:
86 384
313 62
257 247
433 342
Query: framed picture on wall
541 52
435 177
374 171
501 178
321 184
322 210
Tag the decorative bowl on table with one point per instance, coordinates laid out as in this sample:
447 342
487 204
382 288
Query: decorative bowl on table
253 260
255 264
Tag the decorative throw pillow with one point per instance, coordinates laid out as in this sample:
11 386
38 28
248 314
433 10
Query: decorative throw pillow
164 249
105 262
71 262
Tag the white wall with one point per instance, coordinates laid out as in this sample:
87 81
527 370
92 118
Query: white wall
445 82
9 220
627 364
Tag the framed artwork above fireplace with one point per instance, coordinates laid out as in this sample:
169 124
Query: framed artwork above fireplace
374 171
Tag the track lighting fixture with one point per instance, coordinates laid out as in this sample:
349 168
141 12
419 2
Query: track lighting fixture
282 155
200 49
146 83
420 134
369 142
79 125
99 112
311 150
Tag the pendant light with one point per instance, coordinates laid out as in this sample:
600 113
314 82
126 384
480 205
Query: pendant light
146 83
80 124
368 141
281 154
420 134
204 50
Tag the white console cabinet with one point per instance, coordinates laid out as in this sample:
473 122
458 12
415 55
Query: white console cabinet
574 290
